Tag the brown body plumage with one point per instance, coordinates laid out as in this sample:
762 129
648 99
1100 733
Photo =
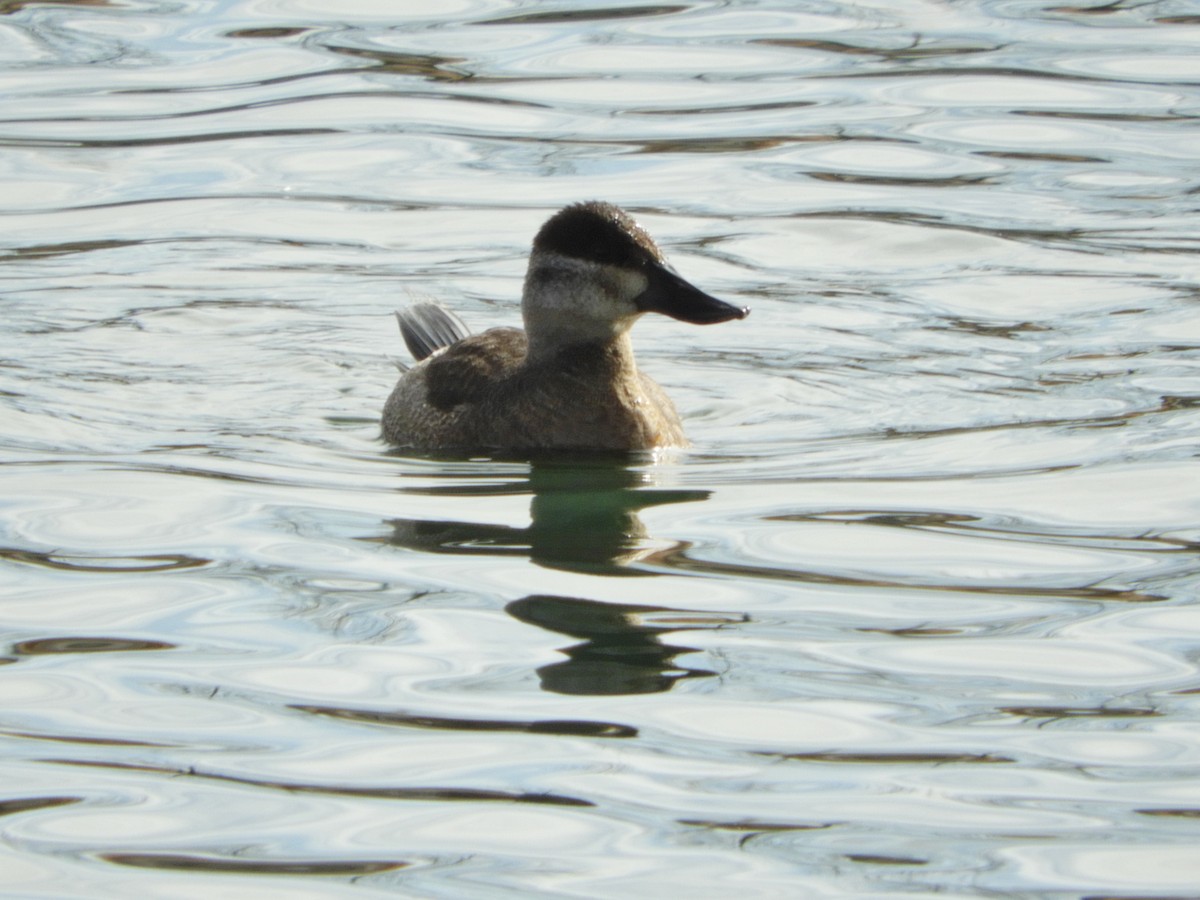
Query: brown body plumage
569 381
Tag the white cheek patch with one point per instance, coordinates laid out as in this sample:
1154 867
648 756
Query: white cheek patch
630 283
588 290
569 301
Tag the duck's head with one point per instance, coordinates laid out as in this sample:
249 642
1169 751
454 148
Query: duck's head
594 270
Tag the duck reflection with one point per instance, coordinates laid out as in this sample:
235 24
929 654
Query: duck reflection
584 518
621 652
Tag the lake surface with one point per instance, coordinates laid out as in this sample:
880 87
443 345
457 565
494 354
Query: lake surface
916 616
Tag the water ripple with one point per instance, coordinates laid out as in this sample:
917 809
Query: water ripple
916 613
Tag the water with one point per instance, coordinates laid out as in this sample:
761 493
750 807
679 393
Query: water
915 616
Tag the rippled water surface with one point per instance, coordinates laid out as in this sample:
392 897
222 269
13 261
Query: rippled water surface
916 615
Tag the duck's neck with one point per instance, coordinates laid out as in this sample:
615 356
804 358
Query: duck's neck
600 361
601 348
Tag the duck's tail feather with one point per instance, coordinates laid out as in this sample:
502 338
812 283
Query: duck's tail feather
427 327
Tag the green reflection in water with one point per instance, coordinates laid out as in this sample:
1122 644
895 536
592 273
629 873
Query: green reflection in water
584 518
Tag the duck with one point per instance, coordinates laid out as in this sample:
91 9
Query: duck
568 381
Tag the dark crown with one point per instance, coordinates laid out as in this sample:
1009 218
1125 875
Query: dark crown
597 232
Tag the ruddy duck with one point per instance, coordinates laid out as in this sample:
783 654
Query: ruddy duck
568 381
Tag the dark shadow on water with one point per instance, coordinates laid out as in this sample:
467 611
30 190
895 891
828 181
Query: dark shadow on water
195 862
82 644
401 719
621 652
584 518
403 792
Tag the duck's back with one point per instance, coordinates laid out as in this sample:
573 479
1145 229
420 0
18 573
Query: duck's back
437 403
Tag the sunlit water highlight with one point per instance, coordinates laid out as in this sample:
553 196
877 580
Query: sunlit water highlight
917 613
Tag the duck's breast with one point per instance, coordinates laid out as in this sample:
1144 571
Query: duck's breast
585 398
